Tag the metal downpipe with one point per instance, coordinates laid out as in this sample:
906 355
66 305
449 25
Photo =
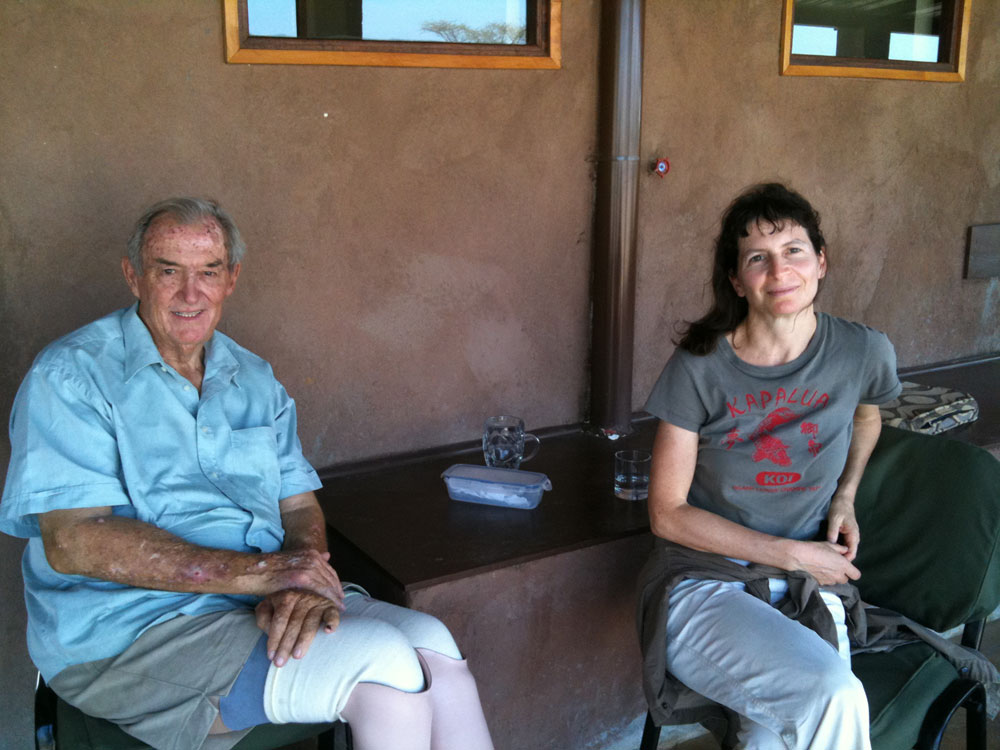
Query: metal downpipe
614 257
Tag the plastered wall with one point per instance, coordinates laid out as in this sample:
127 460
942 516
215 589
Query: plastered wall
898 170
420 239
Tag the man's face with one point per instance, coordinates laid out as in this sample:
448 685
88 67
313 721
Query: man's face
185 279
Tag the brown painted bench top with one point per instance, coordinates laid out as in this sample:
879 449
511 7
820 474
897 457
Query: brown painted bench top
400 516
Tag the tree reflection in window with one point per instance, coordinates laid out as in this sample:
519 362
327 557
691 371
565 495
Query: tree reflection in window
491 33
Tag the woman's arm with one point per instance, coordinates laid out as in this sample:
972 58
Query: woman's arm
840 519
675 454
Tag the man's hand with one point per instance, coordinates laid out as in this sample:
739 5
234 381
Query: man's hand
302 569
303 593
841 521
291 619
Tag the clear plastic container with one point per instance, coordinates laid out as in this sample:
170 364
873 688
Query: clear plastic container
489 485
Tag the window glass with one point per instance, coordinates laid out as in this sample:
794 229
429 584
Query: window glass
459 21
866 29
814 40
271 17
903 39
916 47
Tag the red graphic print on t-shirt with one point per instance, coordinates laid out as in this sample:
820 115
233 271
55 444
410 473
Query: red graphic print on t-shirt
812 429
767 445
732 438
768 448
759 401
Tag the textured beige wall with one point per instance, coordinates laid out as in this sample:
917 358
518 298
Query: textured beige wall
419 239
898 169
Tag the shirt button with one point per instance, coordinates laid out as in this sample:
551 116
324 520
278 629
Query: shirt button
187 388
206 430
215 475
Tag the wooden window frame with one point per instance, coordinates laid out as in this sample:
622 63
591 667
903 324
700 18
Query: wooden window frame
543 52
818 65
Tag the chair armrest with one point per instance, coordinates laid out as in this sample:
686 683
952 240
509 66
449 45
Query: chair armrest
962 692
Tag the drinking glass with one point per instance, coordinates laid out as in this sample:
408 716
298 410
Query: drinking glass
632 474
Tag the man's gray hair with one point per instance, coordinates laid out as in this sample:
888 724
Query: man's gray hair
187 211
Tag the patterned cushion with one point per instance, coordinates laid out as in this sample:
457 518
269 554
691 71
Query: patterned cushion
929 409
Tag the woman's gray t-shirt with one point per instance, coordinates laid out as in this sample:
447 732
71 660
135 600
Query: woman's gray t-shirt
772 441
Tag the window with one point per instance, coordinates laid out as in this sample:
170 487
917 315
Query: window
411 33
905 39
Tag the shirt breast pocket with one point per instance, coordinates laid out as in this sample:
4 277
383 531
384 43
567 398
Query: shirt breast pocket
253 460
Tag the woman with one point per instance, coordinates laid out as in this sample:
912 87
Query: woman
769 413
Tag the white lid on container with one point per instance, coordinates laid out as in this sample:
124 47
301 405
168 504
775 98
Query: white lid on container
496 475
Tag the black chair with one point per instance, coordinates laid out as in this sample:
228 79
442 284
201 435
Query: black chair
929 511
60 726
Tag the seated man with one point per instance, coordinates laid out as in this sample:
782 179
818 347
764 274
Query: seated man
171 519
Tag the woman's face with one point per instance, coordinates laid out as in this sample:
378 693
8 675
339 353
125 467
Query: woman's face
778 269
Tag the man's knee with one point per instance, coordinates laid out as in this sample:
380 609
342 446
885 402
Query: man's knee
316 687
391 659
428 633
421 629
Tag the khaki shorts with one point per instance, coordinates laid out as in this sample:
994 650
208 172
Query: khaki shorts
164 688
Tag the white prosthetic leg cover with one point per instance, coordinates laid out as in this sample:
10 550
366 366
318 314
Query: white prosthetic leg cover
374 643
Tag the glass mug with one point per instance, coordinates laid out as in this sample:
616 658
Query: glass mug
503 442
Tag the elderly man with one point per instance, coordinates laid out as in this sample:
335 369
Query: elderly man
176 571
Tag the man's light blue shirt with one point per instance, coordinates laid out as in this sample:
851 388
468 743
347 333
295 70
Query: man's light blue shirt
101 420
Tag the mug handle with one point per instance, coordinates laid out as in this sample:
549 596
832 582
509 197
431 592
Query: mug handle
537 444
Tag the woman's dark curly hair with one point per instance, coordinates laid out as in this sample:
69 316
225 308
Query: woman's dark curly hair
769 203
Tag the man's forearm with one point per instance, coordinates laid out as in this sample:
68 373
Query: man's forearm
304 523
135 553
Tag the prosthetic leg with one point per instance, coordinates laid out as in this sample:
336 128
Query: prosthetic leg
383 717
458 722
